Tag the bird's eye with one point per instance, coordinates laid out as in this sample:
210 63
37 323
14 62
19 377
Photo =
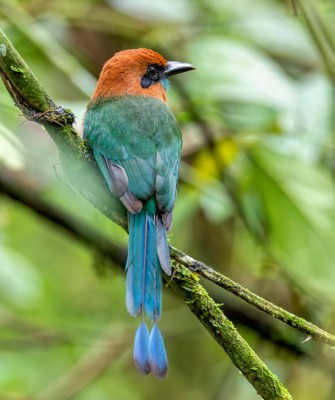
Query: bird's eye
153 73
152 76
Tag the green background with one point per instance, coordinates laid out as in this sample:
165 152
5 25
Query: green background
263 88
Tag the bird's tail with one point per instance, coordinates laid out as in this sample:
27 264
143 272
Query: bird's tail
147 245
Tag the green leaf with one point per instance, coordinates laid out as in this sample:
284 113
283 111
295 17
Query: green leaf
299 205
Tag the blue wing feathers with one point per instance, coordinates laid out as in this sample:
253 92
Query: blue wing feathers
141 177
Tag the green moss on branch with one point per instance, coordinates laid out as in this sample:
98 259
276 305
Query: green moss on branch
262 304
22 81
223 331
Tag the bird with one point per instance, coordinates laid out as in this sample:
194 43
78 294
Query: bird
136 142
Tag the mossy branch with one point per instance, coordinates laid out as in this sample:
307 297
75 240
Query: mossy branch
81 170
262 304
184 282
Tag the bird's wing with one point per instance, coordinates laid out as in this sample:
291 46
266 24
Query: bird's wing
117 180
136 142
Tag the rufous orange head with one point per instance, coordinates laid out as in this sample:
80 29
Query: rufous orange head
137 72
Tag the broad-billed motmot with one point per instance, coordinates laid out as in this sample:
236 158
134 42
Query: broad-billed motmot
136 142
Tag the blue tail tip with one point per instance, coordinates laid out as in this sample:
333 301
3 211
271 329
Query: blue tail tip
149 352
141 349
157 354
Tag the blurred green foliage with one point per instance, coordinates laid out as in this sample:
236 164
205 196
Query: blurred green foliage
263 92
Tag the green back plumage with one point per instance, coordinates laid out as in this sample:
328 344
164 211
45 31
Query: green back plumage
142 136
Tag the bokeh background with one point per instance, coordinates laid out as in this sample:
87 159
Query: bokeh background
256 198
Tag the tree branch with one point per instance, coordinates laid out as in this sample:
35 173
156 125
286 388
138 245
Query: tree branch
79 166
184 282
262 304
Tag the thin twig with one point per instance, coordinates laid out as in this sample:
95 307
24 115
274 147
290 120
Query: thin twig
277 312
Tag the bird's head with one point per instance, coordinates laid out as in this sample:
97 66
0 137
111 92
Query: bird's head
137 72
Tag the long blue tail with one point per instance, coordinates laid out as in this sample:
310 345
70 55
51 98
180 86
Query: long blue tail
144 287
